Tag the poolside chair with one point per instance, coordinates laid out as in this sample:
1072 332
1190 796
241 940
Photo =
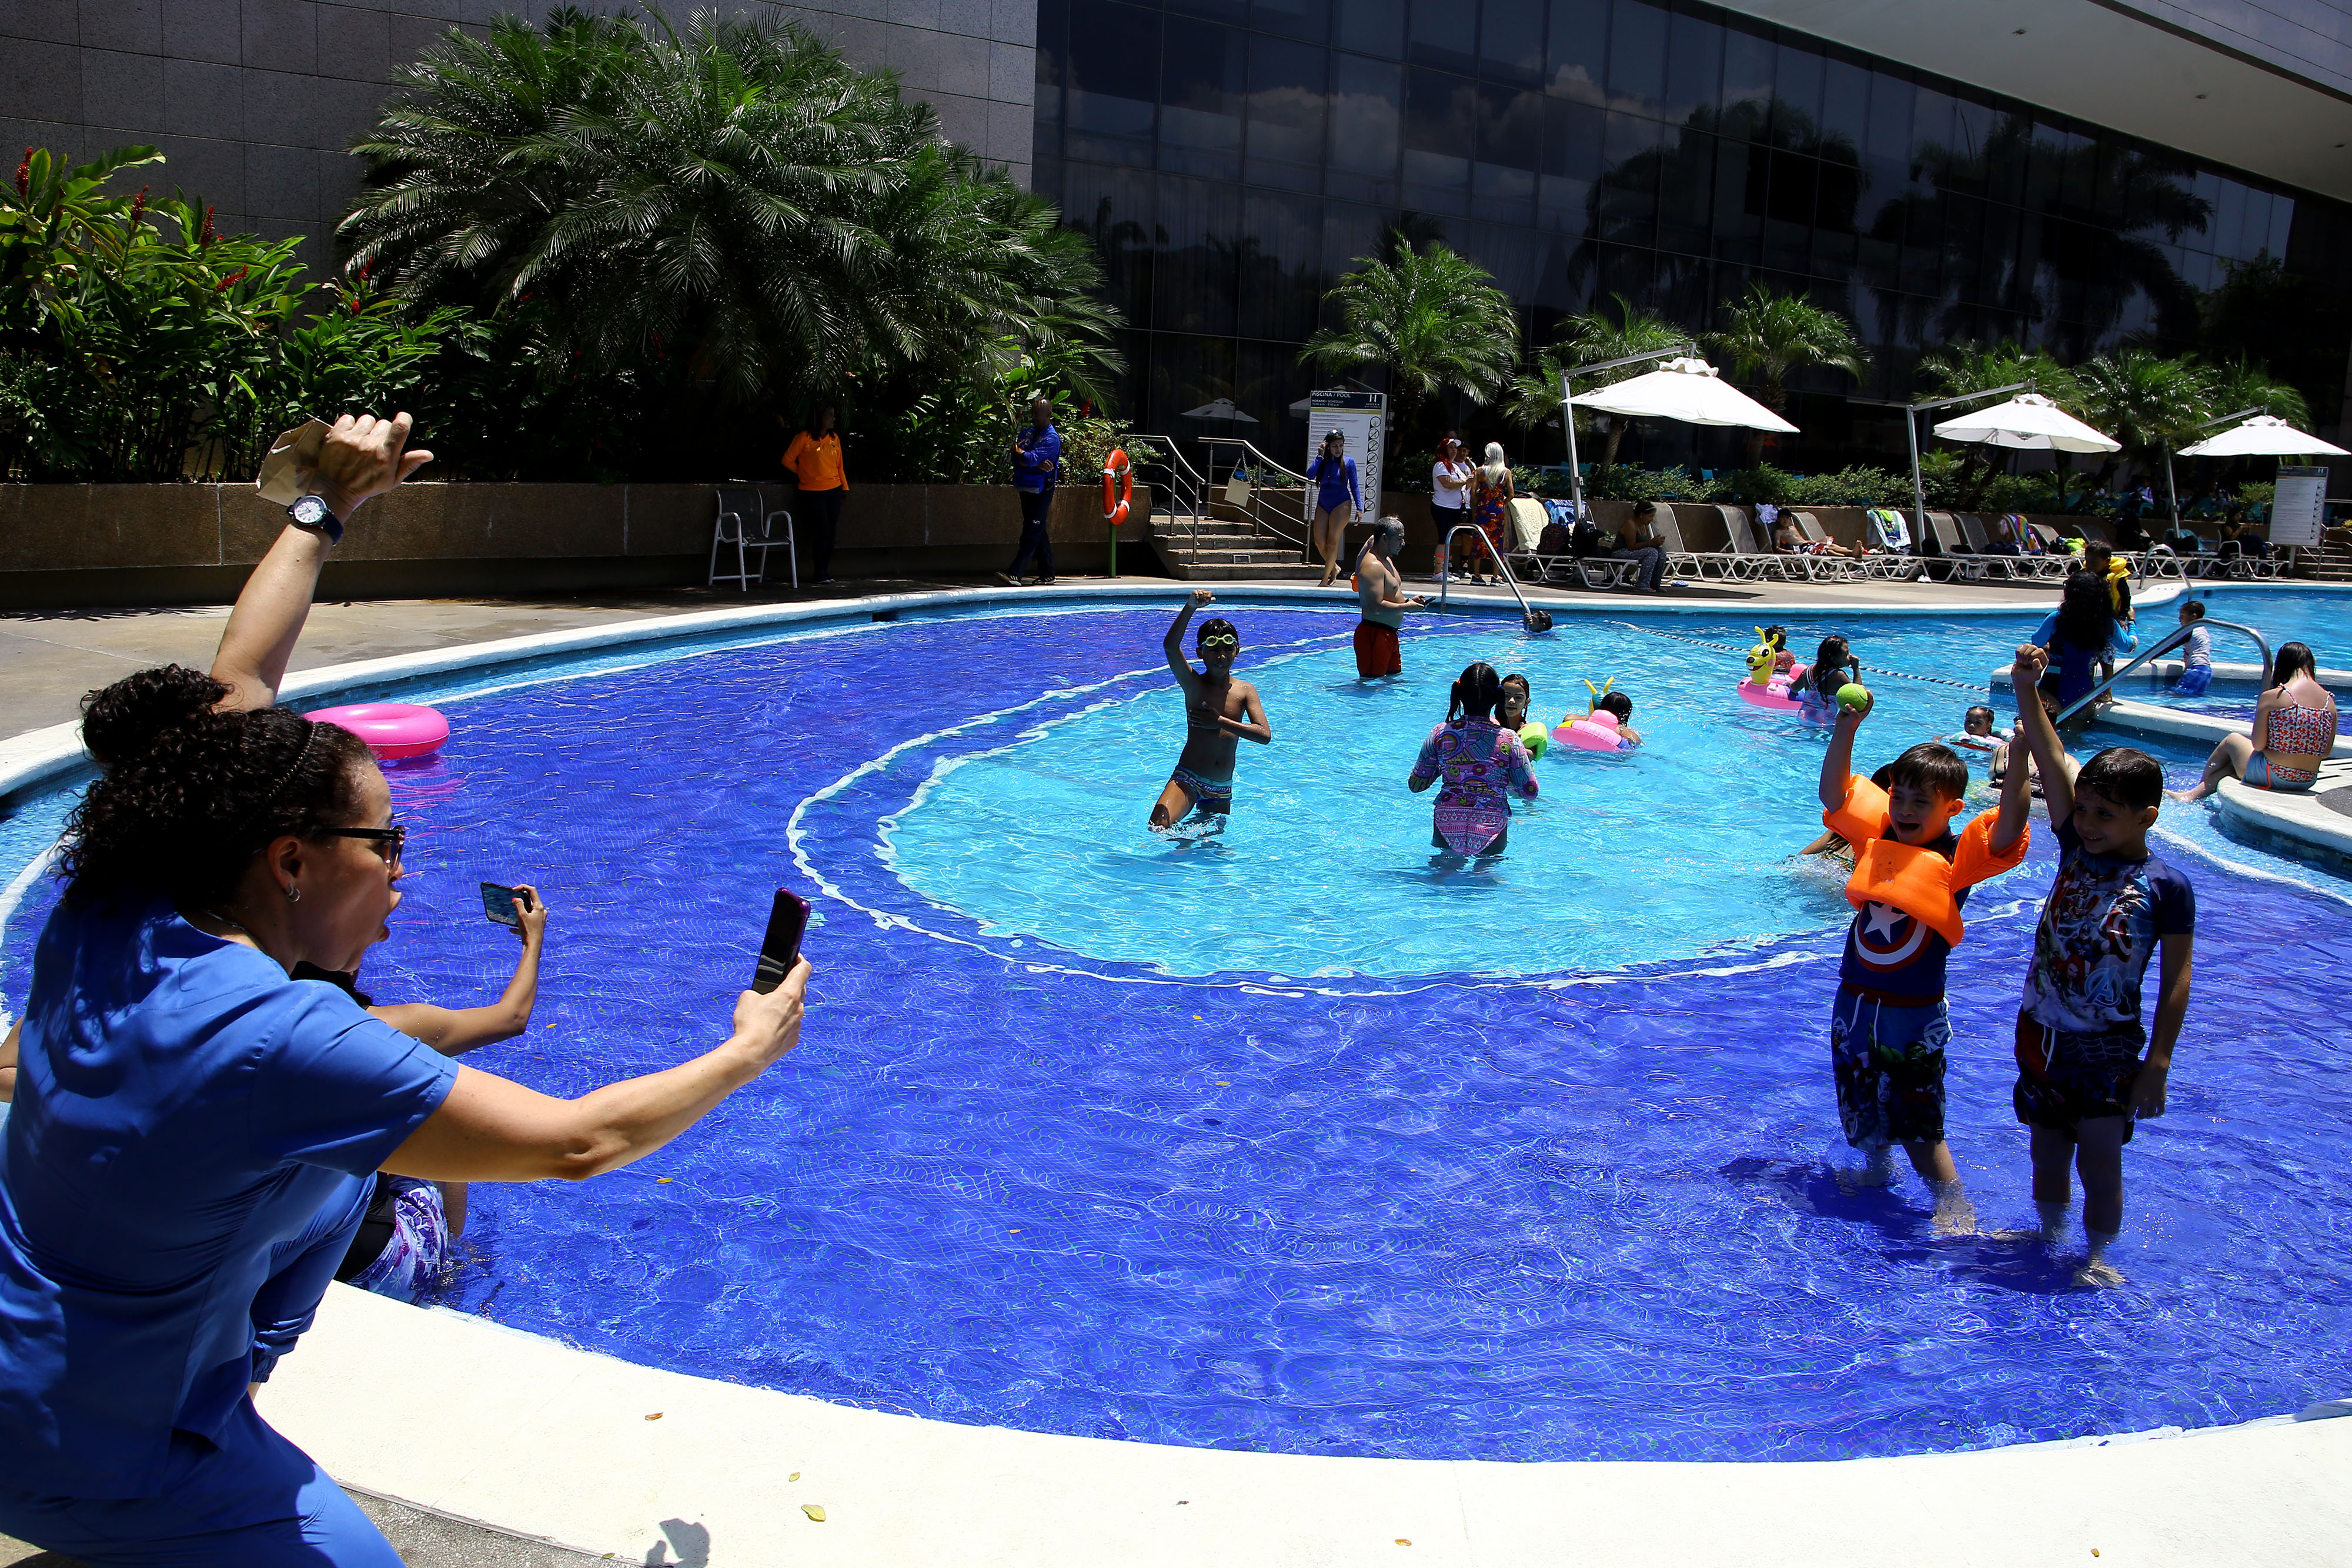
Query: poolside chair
1989 562
1756 561
1890 532
1951 559
1825 568
745 523
1684 562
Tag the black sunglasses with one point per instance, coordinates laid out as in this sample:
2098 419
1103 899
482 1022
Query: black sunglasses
388 841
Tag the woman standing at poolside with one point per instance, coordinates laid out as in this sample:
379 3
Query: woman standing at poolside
2294 732
183 1108
1483 765
1490 508
1339 497
814 460
1449 489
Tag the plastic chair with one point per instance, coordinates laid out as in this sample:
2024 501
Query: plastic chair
745 523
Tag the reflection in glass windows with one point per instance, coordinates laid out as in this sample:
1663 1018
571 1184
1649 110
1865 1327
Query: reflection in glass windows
1232 157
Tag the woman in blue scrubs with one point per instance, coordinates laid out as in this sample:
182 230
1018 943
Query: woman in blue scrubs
194 1132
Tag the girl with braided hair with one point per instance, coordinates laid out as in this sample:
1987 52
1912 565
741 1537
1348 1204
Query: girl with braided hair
194 1132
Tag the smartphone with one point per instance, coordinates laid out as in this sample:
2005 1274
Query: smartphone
502 904
780 949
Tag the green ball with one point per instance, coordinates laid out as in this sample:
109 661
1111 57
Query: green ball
1534 737
1854 695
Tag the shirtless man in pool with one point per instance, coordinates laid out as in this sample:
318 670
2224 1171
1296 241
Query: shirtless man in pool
1218 710
1380 591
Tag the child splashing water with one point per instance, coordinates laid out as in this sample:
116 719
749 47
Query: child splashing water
1889 1027
1483 765
1218 710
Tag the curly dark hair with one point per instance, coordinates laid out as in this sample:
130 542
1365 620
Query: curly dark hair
187 795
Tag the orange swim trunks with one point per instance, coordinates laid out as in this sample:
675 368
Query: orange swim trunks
1376 649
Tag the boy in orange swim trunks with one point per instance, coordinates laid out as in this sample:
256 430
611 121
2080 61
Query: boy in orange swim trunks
1889 1027
1380 591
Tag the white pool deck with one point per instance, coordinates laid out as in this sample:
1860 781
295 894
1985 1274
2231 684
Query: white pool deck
536 1438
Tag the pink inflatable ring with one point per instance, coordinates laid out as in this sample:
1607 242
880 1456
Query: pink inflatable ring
394 731
1594 732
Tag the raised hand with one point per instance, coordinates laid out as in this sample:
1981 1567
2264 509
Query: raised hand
364 457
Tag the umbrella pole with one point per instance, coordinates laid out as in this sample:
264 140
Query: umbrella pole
1918 485
1567 423
2171 491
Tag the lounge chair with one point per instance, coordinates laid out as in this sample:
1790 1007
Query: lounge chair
1989 562
745 523
1823 567
1756 560
1890 532
1684 562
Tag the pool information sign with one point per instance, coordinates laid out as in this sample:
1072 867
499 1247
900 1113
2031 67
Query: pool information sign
2296 507
1363 418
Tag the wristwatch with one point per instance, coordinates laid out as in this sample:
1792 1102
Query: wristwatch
312 514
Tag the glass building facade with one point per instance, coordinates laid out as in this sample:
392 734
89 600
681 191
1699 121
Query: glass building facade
1232 158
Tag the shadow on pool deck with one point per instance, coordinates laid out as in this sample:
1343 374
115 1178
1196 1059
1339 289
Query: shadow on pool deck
428 1541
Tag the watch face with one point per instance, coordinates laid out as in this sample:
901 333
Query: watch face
308 511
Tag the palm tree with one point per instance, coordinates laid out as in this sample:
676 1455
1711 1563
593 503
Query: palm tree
1768 334
732 203
1588 338
2144 401
1955 370
1429 317
2234 384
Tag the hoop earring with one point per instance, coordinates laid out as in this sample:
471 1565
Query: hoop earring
293 894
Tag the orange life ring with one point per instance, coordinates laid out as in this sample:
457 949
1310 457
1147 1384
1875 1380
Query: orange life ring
1115 471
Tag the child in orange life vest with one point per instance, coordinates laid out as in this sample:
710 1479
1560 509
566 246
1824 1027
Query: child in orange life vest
1911 875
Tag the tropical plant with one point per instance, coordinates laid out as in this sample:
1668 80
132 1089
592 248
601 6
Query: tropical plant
1768 335
2232 385
1860 486
1595 336
730 211
1431 319
2145 401
1956 369
135 333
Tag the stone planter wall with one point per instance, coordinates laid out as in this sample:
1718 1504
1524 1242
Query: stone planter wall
64 546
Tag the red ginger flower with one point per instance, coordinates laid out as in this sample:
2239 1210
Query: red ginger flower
24 174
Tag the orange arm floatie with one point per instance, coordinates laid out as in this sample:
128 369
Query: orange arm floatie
1918 881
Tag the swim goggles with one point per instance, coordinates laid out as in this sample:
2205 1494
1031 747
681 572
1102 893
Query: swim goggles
1222 640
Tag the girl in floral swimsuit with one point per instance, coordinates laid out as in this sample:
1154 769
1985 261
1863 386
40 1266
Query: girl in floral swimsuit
2294 732
1483 765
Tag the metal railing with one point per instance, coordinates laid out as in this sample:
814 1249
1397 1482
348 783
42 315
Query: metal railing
1534 620
2163 647
1272 520
1184 492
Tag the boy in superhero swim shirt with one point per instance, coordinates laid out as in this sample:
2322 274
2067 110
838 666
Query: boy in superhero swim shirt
1911 875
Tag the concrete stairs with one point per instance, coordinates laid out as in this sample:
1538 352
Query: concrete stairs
1227 551
2332 563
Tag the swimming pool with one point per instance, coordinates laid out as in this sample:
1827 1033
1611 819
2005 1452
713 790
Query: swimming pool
1290 1139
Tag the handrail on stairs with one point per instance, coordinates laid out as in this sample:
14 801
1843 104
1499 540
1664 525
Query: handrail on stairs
2169 642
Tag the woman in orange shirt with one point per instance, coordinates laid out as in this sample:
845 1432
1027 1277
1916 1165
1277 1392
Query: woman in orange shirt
815 459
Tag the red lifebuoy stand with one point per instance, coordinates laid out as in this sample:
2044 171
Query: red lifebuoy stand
1119 490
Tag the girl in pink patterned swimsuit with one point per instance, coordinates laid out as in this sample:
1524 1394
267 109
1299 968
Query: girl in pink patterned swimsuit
2294 733
1482 765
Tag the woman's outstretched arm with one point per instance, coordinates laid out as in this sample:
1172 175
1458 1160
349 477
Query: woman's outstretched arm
362 457
489 1129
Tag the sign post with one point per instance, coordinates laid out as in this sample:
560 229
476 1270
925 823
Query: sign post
2298 508
1363 418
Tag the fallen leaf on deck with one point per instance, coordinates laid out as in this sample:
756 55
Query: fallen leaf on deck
655 1416
814 1511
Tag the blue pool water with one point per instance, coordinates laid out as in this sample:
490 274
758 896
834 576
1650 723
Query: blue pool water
1290 1138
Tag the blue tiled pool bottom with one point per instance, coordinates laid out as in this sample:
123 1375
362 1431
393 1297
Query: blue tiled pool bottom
1564 1188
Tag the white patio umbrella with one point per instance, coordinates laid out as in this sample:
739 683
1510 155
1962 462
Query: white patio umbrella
2262 436
1223 408
1686 390
2030 423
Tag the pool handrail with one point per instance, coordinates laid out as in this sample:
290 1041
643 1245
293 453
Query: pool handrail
1446 575
2165 645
